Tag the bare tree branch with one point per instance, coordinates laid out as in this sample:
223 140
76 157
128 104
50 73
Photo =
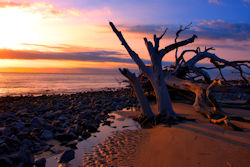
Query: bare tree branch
207 49
214 59
171 47
132 54
157 40
177 61
178 34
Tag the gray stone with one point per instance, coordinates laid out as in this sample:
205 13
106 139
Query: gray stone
47 135
41 162
84 114
26 157
4 131
85 135
6 115
5 162
66 156
4 148
26 143
18 125
62 118
37 122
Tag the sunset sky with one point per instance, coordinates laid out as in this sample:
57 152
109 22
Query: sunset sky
74 35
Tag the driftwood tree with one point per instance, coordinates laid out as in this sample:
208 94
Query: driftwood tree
182 76
184 73
154 73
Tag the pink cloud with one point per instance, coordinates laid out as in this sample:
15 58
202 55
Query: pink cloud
211 23
48 10
214 1
74 12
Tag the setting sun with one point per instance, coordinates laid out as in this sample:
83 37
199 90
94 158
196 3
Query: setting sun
16 27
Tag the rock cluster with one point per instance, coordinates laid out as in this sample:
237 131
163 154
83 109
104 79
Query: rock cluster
27 123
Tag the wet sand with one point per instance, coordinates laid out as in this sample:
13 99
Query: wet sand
188 144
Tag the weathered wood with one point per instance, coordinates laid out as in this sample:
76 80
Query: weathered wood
190 64
145 107
154 72
181 76
132 54
199 89
171 47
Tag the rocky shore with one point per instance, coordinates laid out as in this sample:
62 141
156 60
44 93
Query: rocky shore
28 123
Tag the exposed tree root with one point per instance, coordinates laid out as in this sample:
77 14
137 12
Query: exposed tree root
222 119
161 119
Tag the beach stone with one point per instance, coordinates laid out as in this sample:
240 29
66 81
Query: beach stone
47 135
4 131
21 164
12 145
62 118
72 144
6 115
18 125
41 162
65 136
22 112
5 162
26 157
36 131
107 123
85 135
26 143
36 147
37 122
92 126
56 123
4 148
66 156
78 128
58 113
13 137
22 135
49 115
14 158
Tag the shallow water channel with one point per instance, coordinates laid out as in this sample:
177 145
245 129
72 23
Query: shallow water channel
86 146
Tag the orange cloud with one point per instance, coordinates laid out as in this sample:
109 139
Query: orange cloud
50 10
13 4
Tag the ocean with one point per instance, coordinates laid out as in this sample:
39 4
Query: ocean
14 84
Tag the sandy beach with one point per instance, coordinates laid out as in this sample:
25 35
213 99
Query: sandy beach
35 128
187 144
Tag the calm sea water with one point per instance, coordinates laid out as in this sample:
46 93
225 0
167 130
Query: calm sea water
37 83
48 83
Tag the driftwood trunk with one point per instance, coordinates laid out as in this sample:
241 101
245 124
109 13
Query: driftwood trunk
145 107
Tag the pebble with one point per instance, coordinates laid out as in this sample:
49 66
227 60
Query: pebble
26 157
28 122
47 135
66 156
5 162
41 162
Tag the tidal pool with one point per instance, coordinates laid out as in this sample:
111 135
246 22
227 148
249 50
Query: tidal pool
119 123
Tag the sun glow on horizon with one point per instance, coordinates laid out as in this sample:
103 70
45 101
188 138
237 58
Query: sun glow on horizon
16 27
32 29
10 63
